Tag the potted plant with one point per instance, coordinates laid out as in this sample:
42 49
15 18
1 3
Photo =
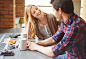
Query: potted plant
21 21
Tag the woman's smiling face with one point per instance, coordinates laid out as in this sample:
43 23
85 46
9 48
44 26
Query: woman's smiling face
36 12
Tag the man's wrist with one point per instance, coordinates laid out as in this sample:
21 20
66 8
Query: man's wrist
38 48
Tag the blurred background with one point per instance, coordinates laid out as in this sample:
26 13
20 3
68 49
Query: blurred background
12 11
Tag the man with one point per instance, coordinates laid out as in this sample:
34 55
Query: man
71 36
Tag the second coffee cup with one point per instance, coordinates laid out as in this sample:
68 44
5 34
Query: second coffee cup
22 44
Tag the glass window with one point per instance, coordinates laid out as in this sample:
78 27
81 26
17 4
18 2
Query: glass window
38 2
44 5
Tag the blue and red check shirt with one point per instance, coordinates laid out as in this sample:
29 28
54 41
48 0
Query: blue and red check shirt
72 37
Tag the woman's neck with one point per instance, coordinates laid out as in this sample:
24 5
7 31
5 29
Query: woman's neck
43 20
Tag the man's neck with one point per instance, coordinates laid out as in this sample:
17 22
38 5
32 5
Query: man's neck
65 16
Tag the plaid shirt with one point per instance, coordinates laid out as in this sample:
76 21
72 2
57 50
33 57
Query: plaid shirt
72 37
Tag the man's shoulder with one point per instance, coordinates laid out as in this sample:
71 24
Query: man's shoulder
78 21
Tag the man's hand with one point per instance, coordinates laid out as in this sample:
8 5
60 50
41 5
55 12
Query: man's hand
33 46
45 50
28 43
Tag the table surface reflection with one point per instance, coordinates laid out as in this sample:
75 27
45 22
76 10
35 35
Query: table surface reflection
27 54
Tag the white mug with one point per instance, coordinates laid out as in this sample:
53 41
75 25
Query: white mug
23 35
23 44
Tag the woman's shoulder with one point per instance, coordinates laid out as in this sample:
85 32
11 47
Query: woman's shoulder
49 15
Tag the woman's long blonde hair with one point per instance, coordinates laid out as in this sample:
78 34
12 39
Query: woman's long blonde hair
32 20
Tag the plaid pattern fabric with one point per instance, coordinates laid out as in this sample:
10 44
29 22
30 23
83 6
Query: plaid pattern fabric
72 37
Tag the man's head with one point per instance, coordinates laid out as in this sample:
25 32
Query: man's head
65 5
59 6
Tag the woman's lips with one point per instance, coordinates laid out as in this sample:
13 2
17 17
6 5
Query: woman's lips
39 13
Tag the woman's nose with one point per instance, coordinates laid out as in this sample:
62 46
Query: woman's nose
37 11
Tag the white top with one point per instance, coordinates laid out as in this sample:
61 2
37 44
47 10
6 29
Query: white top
44 30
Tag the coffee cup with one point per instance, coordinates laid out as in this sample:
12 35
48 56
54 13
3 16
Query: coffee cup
23 35
22 44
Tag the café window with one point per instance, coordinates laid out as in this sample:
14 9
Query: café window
44 5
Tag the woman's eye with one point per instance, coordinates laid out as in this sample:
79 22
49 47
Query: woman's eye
36 8
33 12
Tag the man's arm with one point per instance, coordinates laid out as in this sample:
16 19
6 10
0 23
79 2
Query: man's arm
67 42
46 42
45 50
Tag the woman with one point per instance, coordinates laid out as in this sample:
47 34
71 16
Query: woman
39 23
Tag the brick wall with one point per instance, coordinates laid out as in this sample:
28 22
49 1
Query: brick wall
9 9
19 8
7 13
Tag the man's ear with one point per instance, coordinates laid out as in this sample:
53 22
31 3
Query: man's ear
60 11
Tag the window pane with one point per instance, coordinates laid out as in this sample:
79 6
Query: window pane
45 9
38 2
44 5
